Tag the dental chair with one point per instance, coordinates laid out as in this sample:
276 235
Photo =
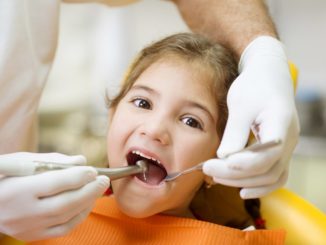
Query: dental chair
282 209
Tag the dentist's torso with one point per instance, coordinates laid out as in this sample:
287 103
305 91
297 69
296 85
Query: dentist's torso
28 42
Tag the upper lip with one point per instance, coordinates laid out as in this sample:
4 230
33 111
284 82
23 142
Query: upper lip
148 154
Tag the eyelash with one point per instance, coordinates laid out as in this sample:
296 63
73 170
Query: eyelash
198 124
137 102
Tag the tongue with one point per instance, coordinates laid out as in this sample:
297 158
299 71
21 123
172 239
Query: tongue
154 174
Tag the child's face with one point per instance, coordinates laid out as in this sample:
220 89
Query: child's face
169 115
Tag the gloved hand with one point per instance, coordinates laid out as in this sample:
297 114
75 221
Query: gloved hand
51 203
261 99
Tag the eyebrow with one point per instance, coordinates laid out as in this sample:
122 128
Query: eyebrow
201 107
187 102
142 87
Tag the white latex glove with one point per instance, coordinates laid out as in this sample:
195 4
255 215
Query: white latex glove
51 203
261 99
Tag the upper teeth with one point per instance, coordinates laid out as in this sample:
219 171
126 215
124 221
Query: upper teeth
145 156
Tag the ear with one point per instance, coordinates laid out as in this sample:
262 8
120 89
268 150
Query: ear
208 181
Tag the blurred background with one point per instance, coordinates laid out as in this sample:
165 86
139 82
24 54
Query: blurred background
98 42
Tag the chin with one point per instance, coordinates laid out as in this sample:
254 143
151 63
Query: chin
137 206
137 211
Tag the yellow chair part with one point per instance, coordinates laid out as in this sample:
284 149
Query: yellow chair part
294 75
303 222
10 241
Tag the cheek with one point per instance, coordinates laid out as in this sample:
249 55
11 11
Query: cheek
119 130
194 150
186 188
112 149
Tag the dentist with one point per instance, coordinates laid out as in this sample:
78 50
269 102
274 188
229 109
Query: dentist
260 100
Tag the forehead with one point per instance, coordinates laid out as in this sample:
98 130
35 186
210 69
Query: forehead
186 76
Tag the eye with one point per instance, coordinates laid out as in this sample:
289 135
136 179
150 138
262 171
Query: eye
141 103
192 122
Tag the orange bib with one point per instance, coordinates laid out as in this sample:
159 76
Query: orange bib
107 225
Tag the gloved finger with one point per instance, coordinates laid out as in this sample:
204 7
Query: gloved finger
64 217
55 231
61 208
63 229
268 178
53 182
60 158
254 163
256 192
273 127
68 201
46 219
236 133
281 122
242 165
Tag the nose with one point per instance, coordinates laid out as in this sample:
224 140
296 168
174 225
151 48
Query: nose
157 129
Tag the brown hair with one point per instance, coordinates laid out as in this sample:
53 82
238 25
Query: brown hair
192 48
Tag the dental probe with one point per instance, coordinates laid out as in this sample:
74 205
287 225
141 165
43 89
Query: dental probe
10 167
253 148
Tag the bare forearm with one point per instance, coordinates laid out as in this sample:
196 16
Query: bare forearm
234 23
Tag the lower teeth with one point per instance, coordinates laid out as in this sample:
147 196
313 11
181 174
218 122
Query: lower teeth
144 175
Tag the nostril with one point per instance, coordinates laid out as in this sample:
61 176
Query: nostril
159 137
156 131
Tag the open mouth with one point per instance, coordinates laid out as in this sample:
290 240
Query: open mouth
155 173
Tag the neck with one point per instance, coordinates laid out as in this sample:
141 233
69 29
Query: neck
184 212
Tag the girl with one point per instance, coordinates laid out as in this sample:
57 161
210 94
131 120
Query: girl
171 111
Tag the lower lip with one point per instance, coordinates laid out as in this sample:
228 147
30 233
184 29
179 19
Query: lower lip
144 184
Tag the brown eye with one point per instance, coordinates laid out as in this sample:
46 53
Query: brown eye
142 103
192 122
